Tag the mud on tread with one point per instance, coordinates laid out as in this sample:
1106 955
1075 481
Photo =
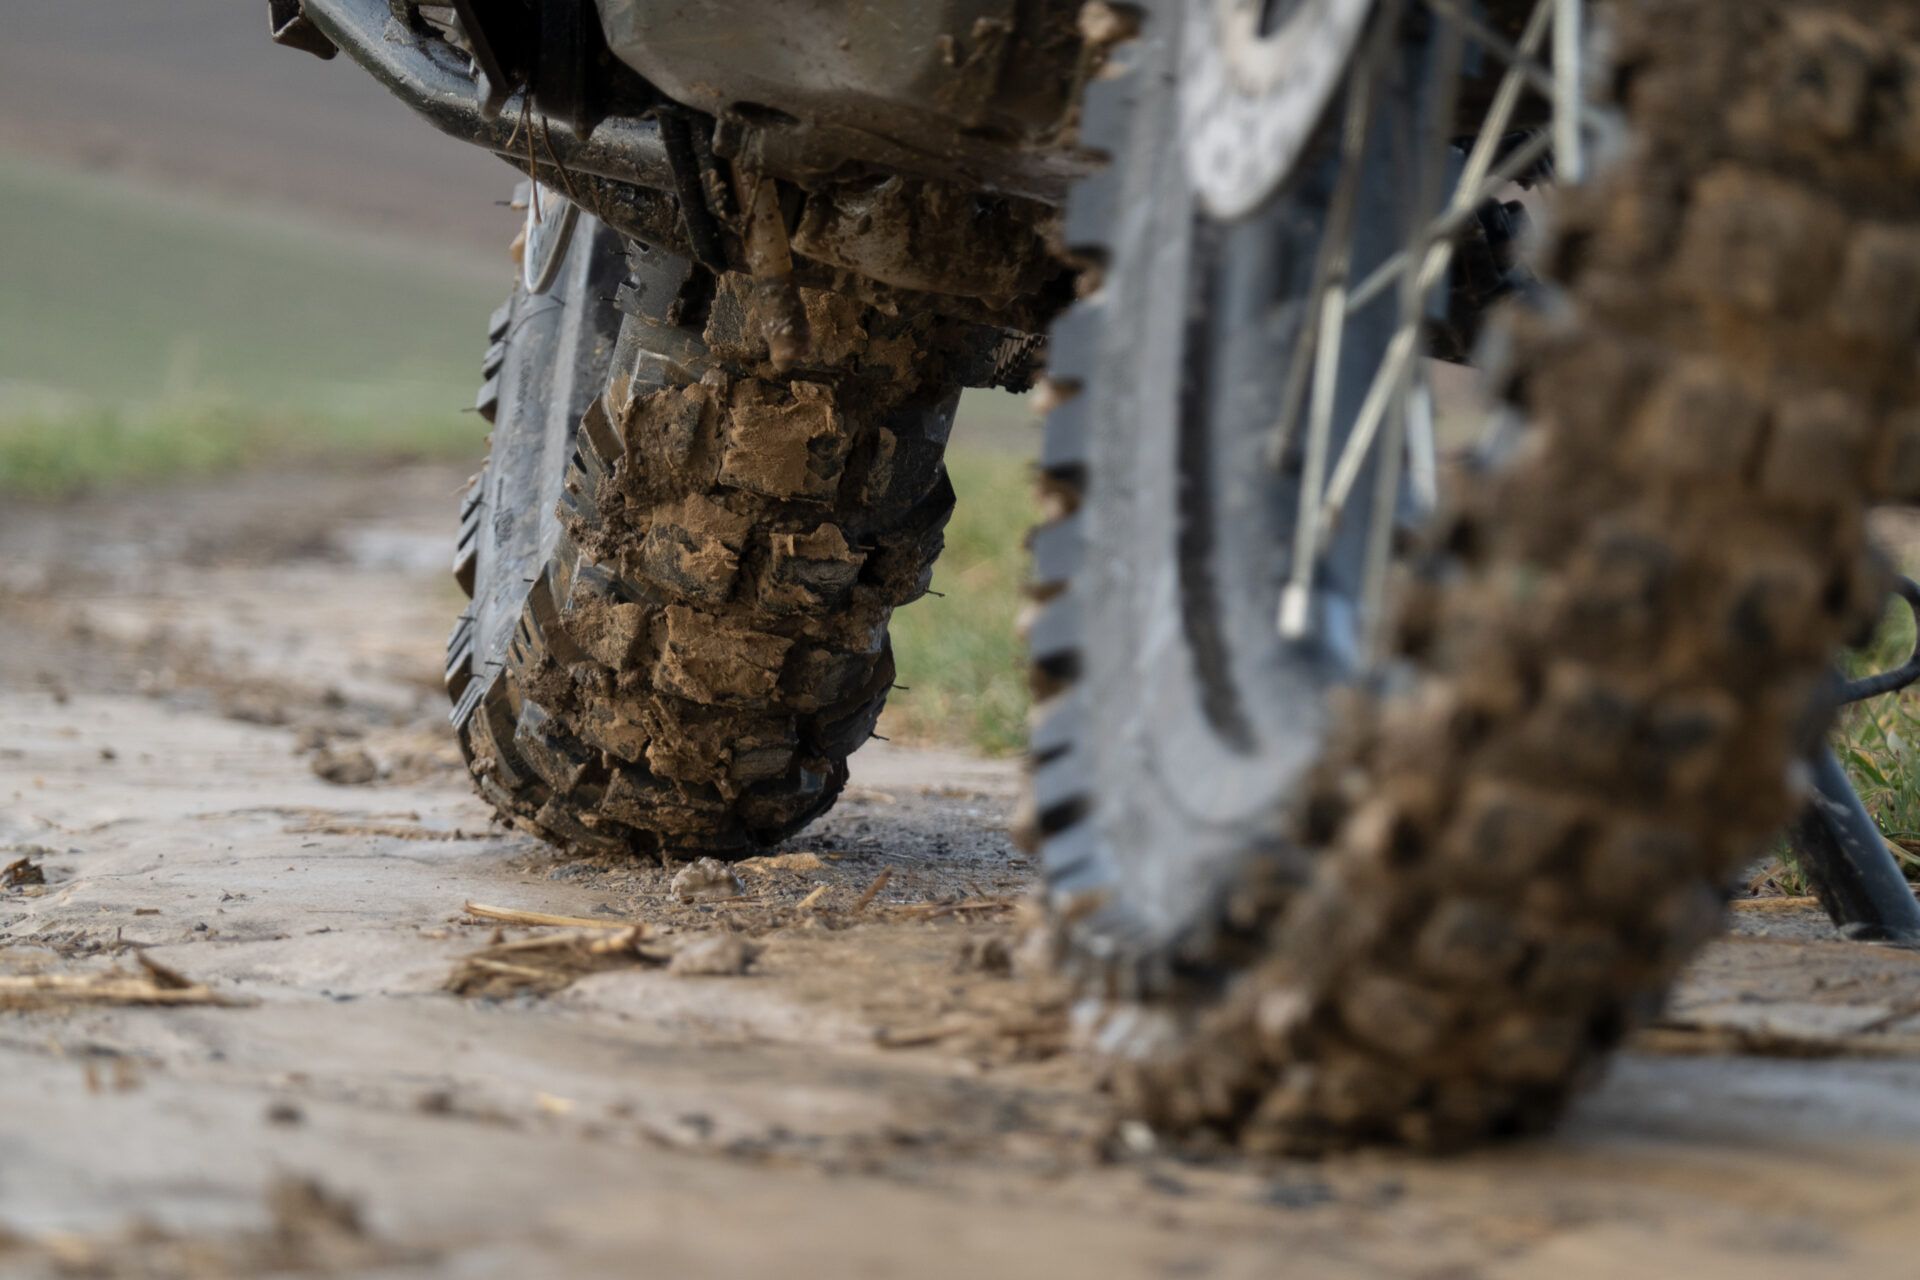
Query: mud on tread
708 642
1624 636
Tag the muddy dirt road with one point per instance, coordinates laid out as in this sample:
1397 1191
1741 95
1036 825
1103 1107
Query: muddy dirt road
221 749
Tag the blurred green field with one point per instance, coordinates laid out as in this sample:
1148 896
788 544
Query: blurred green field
961 665
116 293
143 330
144 334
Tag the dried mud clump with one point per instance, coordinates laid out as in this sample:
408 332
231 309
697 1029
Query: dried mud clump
692 551
784 442
21 872
705 881
717 955
552 962
352 767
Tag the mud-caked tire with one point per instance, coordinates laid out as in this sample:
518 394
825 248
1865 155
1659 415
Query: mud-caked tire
1620 639
683 580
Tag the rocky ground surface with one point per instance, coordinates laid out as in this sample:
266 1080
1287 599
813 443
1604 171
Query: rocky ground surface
277 996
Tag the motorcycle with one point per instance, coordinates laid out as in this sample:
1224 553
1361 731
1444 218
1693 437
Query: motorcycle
1386 765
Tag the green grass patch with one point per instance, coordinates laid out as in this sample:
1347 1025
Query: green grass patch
116 293
55 452
962 665
146 334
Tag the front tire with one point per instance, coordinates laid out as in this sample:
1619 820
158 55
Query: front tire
1174 726
1612 652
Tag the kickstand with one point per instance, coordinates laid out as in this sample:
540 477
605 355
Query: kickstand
1837 842
1839 847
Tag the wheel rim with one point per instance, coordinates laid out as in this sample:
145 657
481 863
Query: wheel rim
1359 442
1255 77
1395 427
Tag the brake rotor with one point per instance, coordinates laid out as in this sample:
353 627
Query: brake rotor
1256 78
550 219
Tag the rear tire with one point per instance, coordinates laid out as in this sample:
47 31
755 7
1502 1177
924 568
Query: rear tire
683 561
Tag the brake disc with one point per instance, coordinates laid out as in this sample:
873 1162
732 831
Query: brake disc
1256 77
550 219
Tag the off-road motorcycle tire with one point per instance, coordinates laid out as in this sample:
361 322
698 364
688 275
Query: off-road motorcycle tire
1613 648
683 560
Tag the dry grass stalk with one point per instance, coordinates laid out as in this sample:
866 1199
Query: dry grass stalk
551 962
790 862
935 910
156 984
1035 1035
812 899
512 915
1684 1039
873 890
1764 905
920 1037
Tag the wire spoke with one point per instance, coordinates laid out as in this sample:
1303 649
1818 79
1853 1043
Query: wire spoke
1333 246
1423 453
1394 425
1505 99
1330 326
1431 137
1399 353
1545 80
1569 148
1373 411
